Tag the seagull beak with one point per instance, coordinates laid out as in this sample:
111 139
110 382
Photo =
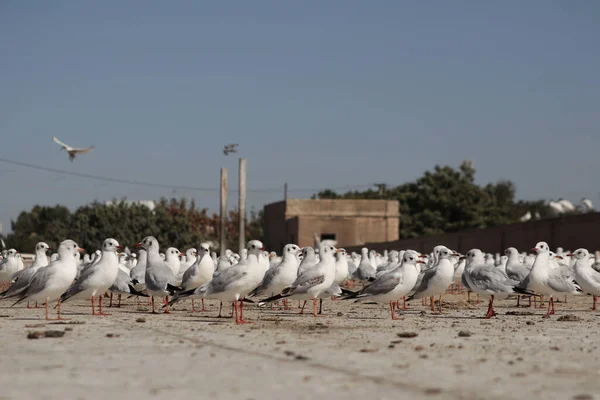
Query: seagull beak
81 250
120 247
559 257
534 250
264 249
195 253
421 255
339 250
571 255
49 249
138 245
462 258
420 262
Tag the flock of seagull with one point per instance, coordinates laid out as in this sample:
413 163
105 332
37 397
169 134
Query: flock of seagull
297 274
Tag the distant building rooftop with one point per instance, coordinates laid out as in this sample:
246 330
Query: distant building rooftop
348 222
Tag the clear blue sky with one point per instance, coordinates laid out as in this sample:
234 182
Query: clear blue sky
318 94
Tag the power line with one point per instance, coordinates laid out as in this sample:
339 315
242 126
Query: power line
163 185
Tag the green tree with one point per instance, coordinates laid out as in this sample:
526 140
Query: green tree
447 200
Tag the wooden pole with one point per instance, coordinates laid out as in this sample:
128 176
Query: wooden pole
242 204
223 211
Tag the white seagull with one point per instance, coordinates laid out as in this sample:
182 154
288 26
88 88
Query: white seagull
96 280
73 151
50 282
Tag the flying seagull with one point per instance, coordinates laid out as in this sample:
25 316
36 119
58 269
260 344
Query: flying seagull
72 150
230 148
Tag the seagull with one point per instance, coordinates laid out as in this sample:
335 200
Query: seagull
172 259
73 151
123 285
283 275
585 275
21 279
313 282
200 273
159 278
545 280
487 280
50 282
436 279
234 283
230 148
191 256
515 270
138 273
96 279
9 266
392 285
365 271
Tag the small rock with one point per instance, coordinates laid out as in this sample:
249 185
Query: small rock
339 314
48 334
368 350
433 391
584 396
140 320
519 313
419 348
407 334
530 323
464 334
300 357
289 353
569 317
555 348
112 335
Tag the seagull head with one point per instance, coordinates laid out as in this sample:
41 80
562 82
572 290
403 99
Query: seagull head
580 254
42 247
149 243
111 245
541 247
255 247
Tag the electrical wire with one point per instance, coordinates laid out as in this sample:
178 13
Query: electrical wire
167 186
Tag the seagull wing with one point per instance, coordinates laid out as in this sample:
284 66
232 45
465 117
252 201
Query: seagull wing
83 151
57 141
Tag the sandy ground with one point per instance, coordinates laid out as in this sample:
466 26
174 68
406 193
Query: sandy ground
356 351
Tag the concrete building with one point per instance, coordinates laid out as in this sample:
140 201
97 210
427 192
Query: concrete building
348 222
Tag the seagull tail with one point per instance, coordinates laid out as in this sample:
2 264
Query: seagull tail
271 299
135 292
173 289
347 294
181 295
519 290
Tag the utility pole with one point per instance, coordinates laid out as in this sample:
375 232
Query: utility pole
223 210
242 204
285 191
381 187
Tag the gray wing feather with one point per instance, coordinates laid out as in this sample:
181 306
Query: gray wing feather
382 285
427 275
560 281
38 282
492 279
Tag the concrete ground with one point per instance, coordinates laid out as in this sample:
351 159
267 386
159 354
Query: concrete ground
356 351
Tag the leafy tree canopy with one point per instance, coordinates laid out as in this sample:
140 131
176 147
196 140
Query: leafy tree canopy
174 222
447 200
